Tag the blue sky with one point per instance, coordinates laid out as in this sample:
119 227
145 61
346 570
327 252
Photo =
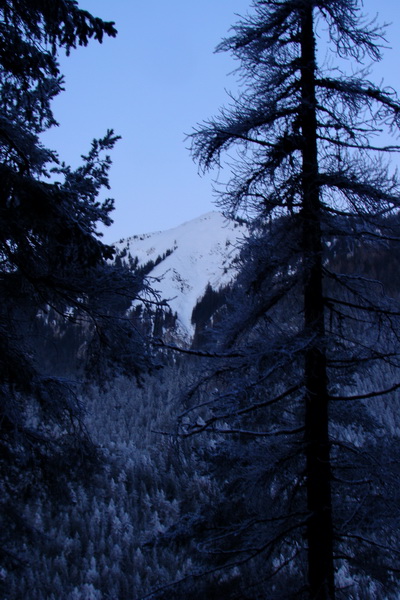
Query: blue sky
152 84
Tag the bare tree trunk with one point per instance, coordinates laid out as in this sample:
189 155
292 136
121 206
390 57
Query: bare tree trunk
318 468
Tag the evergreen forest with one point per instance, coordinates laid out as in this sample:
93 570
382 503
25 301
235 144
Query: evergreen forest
261 461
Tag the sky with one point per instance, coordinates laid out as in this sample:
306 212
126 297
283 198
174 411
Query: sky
152 84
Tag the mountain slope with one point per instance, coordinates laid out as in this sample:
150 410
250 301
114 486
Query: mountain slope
184 260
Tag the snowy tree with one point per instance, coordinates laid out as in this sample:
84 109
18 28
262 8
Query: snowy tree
310 498
106 541
51 255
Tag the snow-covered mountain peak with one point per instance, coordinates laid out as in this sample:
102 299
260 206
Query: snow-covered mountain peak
184 260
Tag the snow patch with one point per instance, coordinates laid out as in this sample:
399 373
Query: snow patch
193 255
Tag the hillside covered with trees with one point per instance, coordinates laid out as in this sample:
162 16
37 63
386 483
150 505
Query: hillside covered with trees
261 460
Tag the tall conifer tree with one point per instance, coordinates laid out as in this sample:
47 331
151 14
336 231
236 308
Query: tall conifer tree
52 260
314 341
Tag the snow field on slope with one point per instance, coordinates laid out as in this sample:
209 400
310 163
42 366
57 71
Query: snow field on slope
200 251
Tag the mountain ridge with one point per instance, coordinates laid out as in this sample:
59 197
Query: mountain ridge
183 261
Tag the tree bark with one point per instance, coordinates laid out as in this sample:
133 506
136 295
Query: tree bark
319 533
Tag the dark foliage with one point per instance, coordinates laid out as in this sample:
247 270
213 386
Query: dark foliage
53 264
206 314
310 353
